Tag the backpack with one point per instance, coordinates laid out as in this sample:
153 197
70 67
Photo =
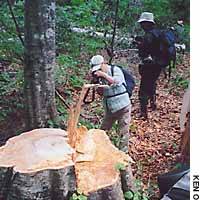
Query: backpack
167 49
167 46
129 79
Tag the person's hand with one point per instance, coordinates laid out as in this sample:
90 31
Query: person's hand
100 74
105 76
99 91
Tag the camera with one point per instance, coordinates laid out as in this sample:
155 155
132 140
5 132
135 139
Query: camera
137 41
95 78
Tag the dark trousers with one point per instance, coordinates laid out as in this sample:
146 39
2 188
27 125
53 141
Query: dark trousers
149 75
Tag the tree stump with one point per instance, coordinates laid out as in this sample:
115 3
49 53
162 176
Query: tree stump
41 165
37 165
51 164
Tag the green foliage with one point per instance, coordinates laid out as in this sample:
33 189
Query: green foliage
10 105
120 166
186 36
77 14
141 193
11 47
181 9
161 11
127 11
167 12
65 71
91 45
181 82
11 85
114 134
129 195
78 196
61 119
11 82
115 139
75 81
88 124
82 13
4 112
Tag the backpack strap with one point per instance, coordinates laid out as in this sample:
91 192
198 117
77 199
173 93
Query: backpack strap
112 73
156 33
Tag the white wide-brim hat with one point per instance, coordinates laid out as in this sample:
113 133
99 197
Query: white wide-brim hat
146 17
96 62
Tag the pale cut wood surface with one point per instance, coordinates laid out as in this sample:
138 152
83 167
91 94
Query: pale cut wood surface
101 172
36 150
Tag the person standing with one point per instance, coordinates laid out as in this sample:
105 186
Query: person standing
151 65
180 31
117 104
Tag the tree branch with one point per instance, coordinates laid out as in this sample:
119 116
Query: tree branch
15 21
62 99
114 31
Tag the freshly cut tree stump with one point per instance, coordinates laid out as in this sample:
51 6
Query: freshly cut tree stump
37 165
51 164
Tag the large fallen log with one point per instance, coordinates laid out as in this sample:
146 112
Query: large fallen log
50 164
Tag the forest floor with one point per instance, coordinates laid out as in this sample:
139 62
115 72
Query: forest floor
154 144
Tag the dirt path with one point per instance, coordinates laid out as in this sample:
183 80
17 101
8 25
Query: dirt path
154 144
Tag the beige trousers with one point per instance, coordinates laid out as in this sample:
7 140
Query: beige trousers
123 117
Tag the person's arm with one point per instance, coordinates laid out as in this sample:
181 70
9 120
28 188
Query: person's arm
116 79
104 75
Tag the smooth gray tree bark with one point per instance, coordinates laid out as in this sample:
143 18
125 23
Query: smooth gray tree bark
39 87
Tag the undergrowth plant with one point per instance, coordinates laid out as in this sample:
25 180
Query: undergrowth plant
139 194
11 91
88 124
11 47
78 196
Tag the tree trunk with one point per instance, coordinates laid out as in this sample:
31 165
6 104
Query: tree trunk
39 88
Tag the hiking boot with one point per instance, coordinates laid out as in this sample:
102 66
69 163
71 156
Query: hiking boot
143 116
153 102
153 106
